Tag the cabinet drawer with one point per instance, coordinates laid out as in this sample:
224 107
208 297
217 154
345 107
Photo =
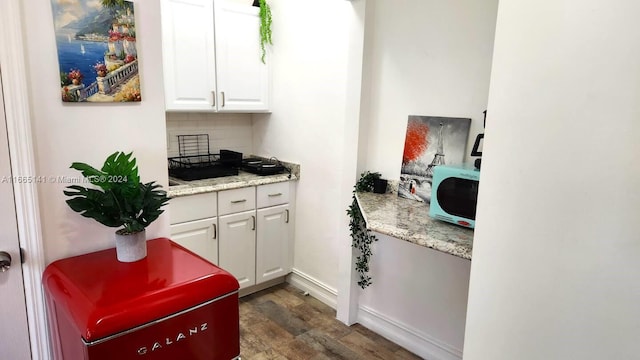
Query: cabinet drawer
273 194
236 200
192 207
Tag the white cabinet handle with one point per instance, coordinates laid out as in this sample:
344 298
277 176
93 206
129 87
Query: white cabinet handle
213 98
215 232
254 222
286 213
222 92
274 195
238 201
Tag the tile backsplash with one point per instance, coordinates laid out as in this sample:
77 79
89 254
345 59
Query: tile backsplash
226 131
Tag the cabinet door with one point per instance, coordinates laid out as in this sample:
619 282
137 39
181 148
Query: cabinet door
238 246
188 50
199 236
243 80
272 243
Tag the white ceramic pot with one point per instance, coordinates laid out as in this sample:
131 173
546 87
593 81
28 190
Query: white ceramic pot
131 247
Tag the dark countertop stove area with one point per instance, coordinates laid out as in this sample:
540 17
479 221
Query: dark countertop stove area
227 163
197 170
263 167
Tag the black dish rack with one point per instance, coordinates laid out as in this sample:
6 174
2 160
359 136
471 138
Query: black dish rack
196 162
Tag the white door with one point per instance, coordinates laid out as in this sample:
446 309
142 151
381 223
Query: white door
14 335
272 243
242 78
238 246
188 50
199 236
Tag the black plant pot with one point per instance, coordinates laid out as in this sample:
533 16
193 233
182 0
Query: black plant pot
256 3
379 186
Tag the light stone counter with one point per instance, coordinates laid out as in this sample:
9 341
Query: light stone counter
243 179
409 220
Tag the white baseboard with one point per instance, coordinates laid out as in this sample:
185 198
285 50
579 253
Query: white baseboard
265 285
314 287
413 340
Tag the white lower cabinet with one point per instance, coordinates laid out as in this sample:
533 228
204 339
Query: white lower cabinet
246 231
272 243
199 236
194 221
238 246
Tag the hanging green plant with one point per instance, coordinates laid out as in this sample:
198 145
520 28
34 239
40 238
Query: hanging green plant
265 26
361 238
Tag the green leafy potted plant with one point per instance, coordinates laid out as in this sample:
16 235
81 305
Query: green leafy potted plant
119 200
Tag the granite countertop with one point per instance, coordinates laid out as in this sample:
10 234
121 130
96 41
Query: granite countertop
409 220
179 187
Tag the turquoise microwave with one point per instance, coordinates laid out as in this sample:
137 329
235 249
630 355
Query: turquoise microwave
454 194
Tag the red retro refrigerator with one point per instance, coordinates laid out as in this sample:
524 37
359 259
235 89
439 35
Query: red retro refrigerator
171 305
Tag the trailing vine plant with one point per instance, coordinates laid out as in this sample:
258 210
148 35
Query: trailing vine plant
360 236
265 26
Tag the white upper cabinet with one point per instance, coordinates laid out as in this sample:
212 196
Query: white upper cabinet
188 49
243 80
211 54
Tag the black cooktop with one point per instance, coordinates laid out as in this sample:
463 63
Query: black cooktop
260 166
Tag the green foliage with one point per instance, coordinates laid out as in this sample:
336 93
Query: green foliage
265 28
70 95
112 3
365 184
360 236
64 79
120 199
113 8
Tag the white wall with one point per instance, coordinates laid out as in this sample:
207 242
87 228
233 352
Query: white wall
65 133
423 57
309 59
555 260
418 298
226 131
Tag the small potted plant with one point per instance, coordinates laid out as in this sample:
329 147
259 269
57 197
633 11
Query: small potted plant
101 69
75 76
115 35
129 58
120 200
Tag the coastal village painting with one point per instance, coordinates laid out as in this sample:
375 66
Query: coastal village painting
97 55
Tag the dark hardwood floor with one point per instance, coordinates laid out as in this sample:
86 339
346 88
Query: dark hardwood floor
281 323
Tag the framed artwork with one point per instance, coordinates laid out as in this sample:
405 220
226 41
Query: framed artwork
97 57
430 141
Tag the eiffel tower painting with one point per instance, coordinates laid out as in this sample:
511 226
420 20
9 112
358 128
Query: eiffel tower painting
428 139
438 158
